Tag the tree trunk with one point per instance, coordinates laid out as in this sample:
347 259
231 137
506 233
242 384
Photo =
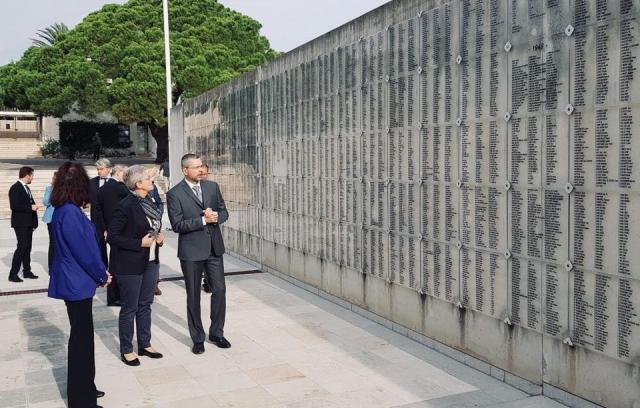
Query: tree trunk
161 134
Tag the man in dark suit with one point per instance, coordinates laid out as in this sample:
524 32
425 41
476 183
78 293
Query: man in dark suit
24 219
109 196
104 168
196 210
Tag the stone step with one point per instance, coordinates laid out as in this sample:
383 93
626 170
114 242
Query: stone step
8 177
41 180
19 148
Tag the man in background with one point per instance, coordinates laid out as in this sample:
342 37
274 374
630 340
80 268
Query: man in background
24 219
155 197
104 169
165 171
96 142
109 196
71 147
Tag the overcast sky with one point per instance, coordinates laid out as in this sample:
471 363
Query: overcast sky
286 23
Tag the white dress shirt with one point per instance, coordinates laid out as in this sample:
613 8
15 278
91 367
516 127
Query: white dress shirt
26 188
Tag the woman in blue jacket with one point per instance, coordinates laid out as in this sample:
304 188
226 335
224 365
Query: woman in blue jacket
76 270
46 217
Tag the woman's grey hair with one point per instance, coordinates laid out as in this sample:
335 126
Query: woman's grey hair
106 163
117 168
134 175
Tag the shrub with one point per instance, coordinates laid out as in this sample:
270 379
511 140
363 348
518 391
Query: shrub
51 148
114 153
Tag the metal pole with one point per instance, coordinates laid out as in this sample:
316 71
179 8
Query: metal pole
167 61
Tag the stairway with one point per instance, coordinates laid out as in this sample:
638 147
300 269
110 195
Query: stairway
42 178
19 148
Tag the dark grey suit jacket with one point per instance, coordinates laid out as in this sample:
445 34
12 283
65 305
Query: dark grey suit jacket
196 241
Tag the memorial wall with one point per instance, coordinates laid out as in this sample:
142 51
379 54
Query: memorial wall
467 169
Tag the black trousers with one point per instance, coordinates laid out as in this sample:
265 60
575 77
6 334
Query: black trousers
50 253
96 152
81 362
113 291
22 254
103 249
192 271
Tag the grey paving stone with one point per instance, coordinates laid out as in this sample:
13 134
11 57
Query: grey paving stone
522 384
49 392
538 401
566 398
465 400
13 398
497 373
46 376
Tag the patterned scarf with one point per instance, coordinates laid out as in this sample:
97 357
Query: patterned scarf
152 212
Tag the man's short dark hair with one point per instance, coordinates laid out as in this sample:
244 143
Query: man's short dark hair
25 171
186 158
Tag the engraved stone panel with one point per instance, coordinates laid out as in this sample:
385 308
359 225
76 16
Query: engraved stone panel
481 152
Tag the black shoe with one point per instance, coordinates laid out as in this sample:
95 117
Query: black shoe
152 354
99 394
15 279
115 303
198 348
220 341
30 275
132 363
206 288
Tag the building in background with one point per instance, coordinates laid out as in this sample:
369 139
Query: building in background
19 129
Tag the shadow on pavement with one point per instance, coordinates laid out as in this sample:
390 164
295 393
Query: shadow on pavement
47 339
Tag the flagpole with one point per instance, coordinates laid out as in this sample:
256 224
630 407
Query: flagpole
167 64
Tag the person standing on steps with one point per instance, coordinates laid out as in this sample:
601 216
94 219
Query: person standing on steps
196 210
24 220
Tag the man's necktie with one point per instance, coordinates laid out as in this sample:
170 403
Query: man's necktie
196 189
29 192
102 181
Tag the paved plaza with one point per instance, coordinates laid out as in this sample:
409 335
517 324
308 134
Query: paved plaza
290 348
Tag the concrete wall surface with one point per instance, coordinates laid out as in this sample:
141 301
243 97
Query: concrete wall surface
465 169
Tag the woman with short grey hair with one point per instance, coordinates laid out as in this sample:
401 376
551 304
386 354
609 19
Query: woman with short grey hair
135 237
134 175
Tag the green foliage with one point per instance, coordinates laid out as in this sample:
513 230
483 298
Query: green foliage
210 44
51 148
116 153
50 35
